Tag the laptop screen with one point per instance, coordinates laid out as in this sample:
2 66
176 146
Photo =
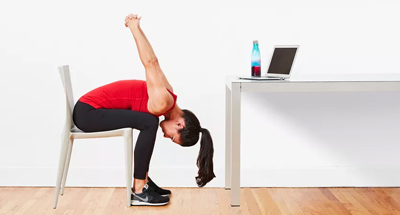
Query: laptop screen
282 61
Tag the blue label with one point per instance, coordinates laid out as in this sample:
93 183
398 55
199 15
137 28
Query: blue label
255 63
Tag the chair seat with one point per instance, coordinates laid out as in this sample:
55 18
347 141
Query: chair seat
76 133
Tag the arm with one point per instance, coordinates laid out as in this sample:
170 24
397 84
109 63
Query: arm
159 71
146 53
152 55
159 98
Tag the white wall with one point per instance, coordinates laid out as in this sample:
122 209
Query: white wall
288 139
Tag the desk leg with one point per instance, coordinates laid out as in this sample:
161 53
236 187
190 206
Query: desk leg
228 133
235 139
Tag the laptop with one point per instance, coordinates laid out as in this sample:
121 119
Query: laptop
280 65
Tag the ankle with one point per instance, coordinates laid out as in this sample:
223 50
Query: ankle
139 184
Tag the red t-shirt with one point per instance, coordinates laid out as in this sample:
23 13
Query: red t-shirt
124 94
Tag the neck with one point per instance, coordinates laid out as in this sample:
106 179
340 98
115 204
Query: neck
174 113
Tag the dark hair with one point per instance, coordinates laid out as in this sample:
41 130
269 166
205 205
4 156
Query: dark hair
190 136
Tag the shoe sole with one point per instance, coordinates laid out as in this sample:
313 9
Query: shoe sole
139 203
165 195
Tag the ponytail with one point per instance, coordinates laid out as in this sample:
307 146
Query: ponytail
190 135
205 159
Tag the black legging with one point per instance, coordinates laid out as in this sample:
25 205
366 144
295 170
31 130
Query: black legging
89 119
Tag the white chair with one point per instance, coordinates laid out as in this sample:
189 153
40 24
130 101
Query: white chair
71 132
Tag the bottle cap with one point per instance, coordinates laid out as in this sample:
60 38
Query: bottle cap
255 42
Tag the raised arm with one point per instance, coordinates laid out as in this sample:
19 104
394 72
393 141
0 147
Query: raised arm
152 55
159 98
158 68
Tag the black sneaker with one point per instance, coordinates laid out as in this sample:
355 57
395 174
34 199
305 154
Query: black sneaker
157 189
148 197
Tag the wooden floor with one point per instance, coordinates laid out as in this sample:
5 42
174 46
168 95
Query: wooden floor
207 201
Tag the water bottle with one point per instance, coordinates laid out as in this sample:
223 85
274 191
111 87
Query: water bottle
255 60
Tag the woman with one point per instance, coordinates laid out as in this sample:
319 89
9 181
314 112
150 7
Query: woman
138 104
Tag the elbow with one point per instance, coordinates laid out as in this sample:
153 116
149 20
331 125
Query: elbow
151 62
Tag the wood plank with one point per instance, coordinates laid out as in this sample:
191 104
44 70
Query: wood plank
209 198
224 206
117 202
205 208
4 194
278 200
357 203
32 201
183 201
344 201
299 199
282 192
17 199
45 202
88 200
393 202
290 200
64 201
369 203
265 202
76 198
196 207
336 206
314 201
394 193
175 202
382 206
104 197
251 202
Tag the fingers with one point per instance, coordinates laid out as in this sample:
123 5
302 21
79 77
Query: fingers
130 17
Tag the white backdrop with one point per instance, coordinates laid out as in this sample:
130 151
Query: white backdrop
288 139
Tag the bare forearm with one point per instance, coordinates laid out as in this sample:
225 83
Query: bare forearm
146 53
159 71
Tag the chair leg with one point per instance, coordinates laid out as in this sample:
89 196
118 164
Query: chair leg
61 164
128 165
66 167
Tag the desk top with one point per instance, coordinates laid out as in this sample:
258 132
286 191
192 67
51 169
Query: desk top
361 82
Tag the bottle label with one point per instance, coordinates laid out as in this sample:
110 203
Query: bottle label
256 71
255 63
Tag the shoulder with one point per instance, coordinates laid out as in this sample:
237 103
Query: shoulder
165 107
172 101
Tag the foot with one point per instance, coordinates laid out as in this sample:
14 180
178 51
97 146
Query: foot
148 197
157 189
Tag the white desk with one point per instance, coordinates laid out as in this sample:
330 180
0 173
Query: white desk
235 86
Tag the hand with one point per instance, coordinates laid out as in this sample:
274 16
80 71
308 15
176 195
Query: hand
132 20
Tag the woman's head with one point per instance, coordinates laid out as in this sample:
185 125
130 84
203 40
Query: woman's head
171 128
185 131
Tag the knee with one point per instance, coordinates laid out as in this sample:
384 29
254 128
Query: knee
151 123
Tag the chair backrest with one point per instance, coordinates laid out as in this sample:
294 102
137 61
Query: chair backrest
66 80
